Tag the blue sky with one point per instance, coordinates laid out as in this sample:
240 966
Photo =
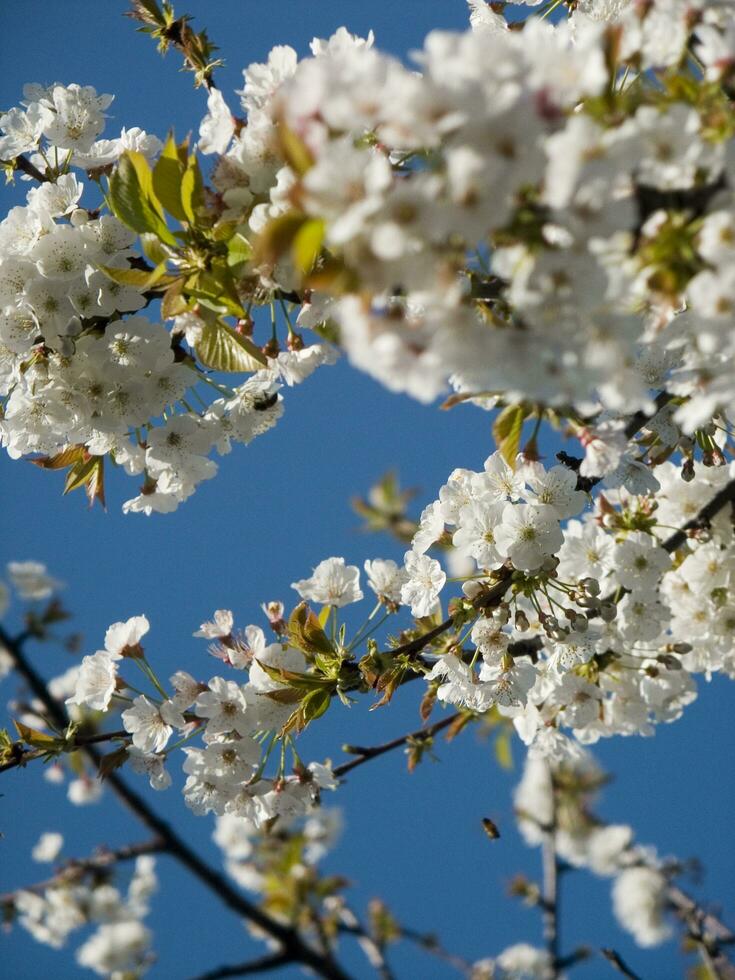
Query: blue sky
275 510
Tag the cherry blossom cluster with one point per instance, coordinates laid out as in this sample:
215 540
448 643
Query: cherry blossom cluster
594 632
530 215
540 215
562 625
79 379
558 794
120 943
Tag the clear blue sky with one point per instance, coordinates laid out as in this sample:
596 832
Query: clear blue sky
274 511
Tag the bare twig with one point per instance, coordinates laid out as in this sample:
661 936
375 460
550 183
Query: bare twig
262 965
550 887
617 961
365 753
24 164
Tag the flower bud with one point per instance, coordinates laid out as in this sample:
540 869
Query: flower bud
608 611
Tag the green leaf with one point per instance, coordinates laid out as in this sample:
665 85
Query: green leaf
303 682
507 430
133 200
222 349
503 750
192 189
278 236
296 153
67 457
306 633
31 736
173 302
307 245
138 278
152 248
315 704
167 177
239 250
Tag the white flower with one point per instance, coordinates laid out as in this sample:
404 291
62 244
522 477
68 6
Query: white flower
425 580
385 578
332 584
30 579
528 533
639 901
523 962
115 949
222 624
218 127
84 790
557 488
48 847
187 689
224 705
475 535
639 563
430 529
151 725
95 682
151 765
126 636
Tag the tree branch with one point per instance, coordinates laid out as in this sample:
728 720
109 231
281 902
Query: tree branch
723 497
707 931
294 947
24 164
77 867
550 887
619 963
365 753
261 965
78 742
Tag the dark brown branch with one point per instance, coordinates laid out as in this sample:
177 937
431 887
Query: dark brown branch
617 961
74 869
293 945
707 931
550 888
487 599
261 965
24 164
723 497
365 753
25 756
640 419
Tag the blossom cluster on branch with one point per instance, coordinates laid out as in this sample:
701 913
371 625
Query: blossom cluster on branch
539 221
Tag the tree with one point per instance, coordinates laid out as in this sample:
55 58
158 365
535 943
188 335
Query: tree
538 223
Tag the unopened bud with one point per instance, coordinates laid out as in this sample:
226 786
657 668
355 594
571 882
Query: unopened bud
687 471
681 648
608 611
78 217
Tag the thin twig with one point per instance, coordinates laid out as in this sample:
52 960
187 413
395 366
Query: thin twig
365 753
723 497
550 887
75 868
79 741
24 164
616 960
261 965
